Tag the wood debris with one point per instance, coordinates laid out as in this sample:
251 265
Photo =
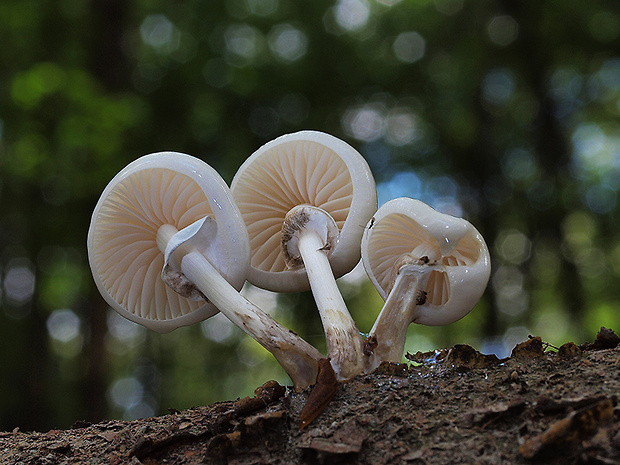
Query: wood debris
570 431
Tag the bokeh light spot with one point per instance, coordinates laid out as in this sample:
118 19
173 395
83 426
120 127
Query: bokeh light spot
402 127
287 42
503 30
352 15
157 31
498 86
243 42
513 246
19 281
601 199
218 329
365 123
519 165
63 325
409 47
126 392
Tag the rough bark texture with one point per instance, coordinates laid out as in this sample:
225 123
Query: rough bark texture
541 405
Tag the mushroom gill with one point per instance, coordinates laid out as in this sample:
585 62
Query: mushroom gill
134 211
289 174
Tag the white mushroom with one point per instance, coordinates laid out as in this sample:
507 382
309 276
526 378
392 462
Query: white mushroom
164 236
429 267
305 198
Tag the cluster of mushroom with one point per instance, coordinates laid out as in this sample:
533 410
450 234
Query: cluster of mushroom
170 244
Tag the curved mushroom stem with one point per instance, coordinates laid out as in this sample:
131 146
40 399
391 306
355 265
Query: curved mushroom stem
344 341
298 358
389 333
308 234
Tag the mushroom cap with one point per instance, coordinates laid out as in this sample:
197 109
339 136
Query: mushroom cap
126 262
303 168
461 257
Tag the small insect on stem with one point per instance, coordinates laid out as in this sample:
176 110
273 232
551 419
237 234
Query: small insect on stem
321 394
420 298
370 345
370 225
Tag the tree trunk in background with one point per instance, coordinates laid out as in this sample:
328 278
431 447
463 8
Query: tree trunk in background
108 60
95 380
109 65
38 358
553 154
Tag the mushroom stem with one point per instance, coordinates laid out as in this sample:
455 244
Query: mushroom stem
298 358
164 234
390 328
344 341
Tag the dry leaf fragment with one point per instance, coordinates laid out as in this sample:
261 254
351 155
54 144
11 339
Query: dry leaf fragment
321 394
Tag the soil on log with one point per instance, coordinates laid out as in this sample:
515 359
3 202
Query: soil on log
540 405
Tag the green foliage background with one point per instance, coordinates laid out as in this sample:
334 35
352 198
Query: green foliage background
506 113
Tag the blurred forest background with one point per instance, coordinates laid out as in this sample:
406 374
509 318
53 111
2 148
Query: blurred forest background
506 113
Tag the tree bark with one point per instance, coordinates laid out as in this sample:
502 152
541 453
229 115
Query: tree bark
540 405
